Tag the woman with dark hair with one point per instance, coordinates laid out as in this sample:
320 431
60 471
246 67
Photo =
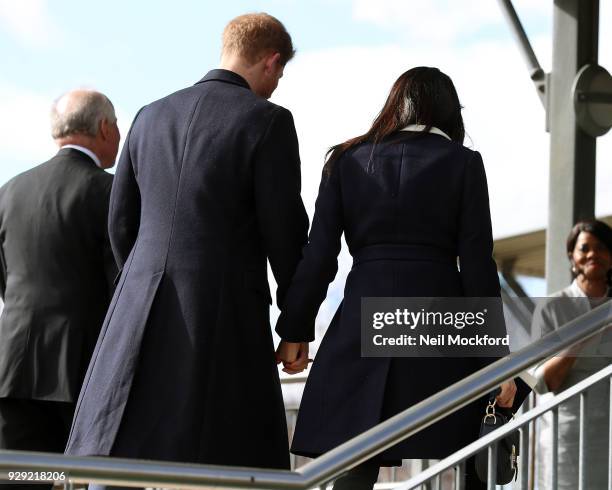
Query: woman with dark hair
589 247
589 250
410 199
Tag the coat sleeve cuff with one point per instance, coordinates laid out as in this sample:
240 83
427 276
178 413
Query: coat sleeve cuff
303 334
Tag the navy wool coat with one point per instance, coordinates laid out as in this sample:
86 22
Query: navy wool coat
207 189
408 207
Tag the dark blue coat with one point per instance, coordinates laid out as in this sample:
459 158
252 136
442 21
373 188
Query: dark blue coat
207 189
408 208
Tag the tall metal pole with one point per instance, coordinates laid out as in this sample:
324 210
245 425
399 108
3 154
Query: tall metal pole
572 152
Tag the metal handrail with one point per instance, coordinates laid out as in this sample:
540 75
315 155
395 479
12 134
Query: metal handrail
295 379
129 472
506 429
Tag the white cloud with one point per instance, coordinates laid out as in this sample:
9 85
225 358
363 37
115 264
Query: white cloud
604 143
440 21
25 130
29 21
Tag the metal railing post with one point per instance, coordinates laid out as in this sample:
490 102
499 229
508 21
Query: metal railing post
610 436
492 466
437 482
582 442
459 477
554 448
524 467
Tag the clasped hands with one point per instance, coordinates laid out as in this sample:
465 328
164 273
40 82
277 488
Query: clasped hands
293 355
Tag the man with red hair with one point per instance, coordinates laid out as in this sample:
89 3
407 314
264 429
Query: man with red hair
207 190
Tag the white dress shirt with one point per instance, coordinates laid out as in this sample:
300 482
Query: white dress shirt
87 152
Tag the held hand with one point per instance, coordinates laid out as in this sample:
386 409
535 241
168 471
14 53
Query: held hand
287 352
506 397
301 362
293 355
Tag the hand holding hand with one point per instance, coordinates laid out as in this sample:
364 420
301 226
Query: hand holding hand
293 355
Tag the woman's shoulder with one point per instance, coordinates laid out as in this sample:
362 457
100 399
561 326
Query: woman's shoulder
401 143
563 293
554 300
560 307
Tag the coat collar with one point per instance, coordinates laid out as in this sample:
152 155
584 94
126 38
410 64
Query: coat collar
221 75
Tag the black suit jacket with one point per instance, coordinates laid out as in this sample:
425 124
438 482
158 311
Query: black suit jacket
206 191
56 265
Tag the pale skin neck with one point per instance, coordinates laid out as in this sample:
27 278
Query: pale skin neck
236 64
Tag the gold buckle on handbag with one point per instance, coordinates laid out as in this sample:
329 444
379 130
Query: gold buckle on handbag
490 411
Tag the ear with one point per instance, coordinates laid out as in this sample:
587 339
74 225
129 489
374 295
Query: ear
104 129
272 61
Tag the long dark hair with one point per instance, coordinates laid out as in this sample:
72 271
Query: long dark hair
599 230
422 95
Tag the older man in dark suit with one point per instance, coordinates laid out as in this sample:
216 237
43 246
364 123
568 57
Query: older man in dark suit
54 278
206 191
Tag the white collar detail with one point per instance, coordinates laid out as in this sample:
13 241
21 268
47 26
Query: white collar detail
422 127
87 152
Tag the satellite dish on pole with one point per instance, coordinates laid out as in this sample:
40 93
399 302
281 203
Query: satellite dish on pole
593 100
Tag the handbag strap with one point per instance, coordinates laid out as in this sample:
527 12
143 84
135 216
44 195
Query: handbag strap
493 395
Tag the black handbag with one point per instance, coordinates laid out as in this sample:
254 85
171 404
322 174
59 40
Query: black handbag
507 447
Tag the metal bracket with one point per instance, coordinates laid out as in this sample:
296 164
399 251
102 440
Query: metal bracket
536 73
592 94
594 97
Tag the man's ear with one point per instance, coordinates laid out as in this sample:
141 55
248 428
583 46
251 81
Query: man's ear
272 61
104 129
